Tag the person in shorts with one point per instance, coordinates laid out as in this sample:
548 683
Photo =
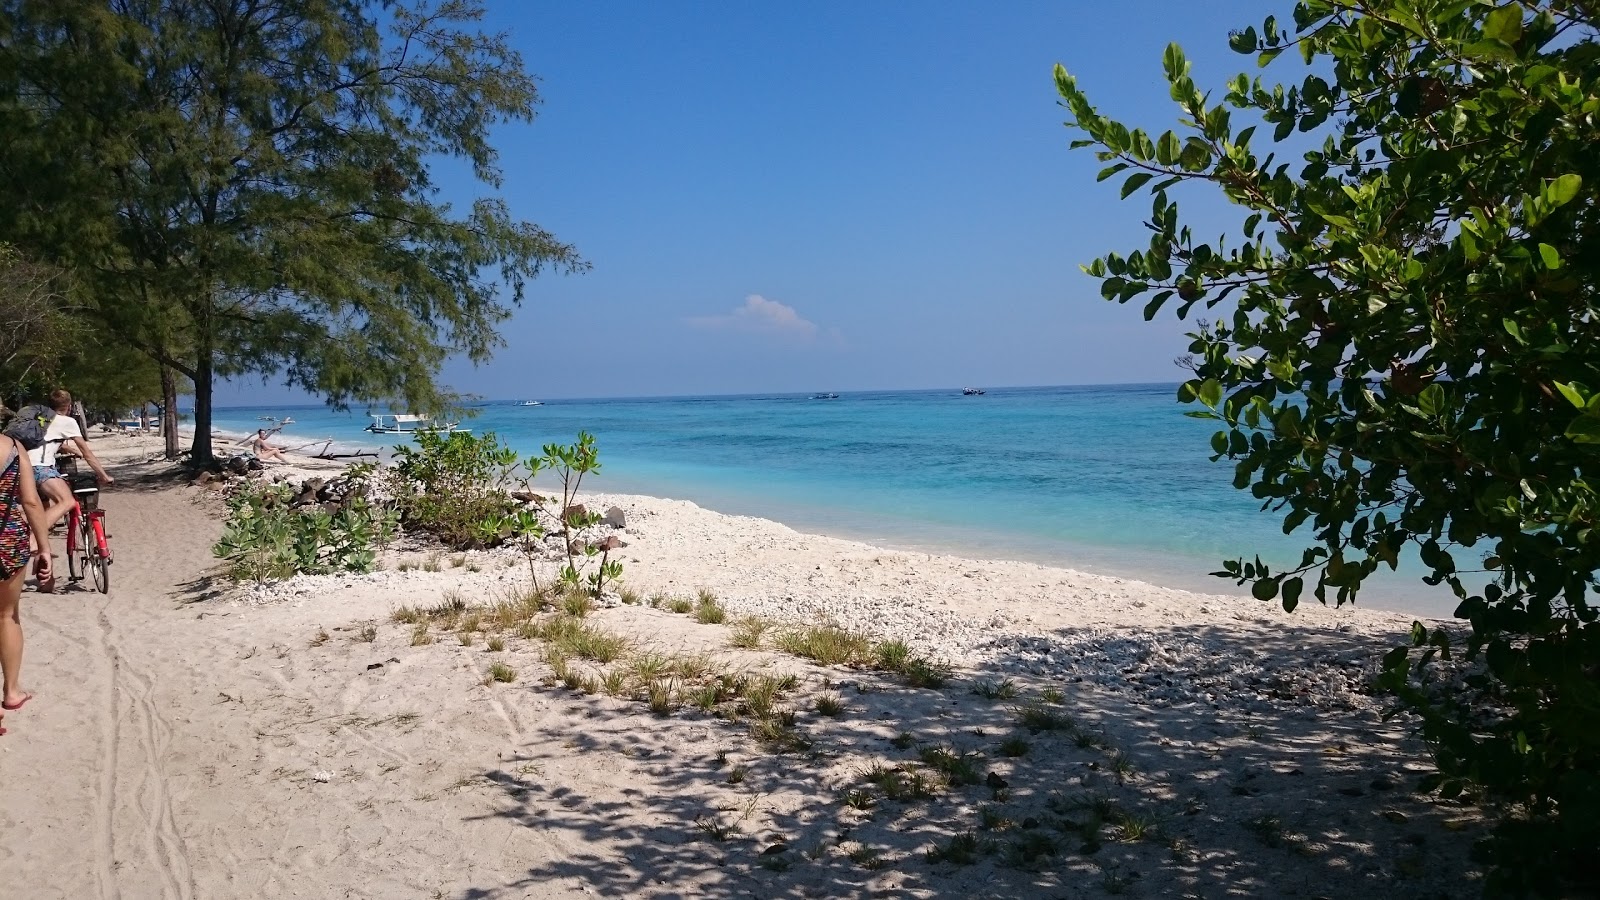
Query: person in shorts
63 432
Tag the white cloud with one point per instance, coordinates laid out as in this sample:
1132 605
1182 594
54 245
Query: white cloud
760 315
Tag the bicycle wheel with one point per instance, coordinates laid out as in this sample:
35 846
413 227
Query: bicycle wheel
100 568
76 561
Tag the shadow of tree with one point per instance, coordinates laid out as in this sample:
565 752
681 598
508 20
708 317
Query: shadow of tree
1111 796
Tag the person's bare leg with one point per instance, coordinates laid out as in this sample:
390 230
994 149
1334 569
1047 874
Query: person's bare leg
11 637
57 499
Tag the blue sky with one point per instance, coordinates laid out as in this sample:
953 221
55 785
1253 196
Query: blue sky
830 196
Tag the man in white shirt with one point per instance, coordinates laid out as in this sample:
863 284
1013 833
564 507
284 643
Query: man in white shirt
63 431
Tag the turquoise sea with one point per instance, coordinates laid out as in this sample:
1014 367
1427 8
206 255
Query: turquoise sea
1112 479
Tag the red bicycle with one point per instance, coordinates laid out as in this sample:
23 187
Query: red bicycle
87 550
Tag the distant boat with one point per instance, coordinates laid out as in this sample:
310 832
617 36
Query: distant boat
531 403
824 396
408 424
969 392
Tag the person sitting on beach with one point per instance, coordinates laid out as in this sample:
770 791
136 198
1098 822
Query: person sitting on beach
263 450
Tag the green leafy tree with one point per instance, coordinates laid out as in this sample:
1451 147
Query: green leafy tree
38 323
1405 354
246 186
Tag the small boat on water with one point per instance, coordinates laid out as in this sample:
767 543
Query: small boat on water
405 423
824 396
531 403
970 392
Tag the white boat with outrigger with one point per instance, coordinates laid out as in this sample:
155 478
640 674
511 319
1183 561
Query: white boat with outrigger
405 423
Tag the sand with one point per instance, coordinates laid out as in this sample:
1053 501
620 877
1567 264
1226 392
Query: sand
197 739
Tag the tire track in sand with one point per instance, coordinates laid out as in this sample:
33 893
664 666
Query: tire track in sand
105 802
163 845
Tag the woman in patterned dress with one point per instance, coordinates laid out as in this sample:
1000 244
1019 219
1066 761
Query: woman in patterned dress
22 511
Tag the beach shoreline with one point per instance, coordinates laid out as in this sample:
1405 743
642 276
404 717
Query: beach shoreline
1239 746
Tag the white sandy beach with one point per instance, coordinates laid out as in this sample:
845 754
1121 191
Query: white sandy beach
197 739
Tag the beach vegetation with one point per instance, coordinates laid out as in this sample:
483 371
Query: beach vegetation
1029 850
1403 364
420 635
870 858
828 704
502 673
859 799
629 596
749 632
577 604
465 637
495 644
1014 747
707 611
679 605
1037 717
962 849
266 538
406 615
367 634
828 645
321 638
959 769
661 696
905 740
1052 695
1004 689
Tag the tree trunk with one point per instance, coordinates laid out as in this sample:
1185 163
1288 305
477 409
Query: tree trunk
200 450
169 411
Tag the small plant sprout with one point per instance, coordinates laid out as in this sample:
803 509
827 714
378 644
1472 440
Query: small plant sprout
680 604
707 611
321 638
962 850
829 704
660 695
924 673
577 604
406 615
1122 767
1053 696
496 644
748 633
420 635
502 673
1005 689
459 560
465 637
367 634
614 683
630 597
1014 747
1130 828
960 768
1036 718
716 829
892 655
867 857
905 740
991 819
859 799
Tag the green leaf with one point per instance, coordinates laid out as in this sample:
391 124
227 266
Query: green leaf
1173 63
1561 191
1491 50
1264 589
1431 400
1552 259
1267 56
1110 170
1134 182
1585 429
1574 392
1504 24
1210 393
1291 593
1168 149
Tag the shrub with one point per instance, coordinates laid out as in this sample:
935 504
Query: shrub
454 487
266 539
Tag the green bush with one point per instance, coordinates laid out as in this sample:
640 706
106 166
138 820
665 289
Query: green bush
455 488
267 539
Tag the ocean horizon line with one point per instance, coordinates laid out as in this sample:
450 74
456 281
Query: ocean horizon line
750 395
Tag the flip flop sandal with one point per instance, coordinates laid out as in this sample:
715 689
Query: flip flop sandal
20 703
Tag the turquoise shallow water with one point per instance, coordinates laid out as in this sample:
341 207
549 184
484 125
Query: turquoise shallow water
1105 478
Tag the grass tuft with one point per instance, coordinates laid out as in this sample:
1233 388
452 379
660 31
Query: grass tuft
1036 718
679 604
1014 747
749 632
496 644
406 615
502 673
420 635
960 769
1005 689
828 645
709 612
829 704
962 850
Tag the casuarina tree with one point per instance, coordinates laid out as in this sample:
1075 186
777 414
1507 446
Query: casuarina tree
1403 356
247 186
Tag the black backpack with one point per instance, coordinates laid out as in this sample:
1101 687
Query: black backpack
29 425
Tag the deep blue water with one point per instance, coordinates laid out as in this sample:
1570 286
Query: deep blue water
1105 478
